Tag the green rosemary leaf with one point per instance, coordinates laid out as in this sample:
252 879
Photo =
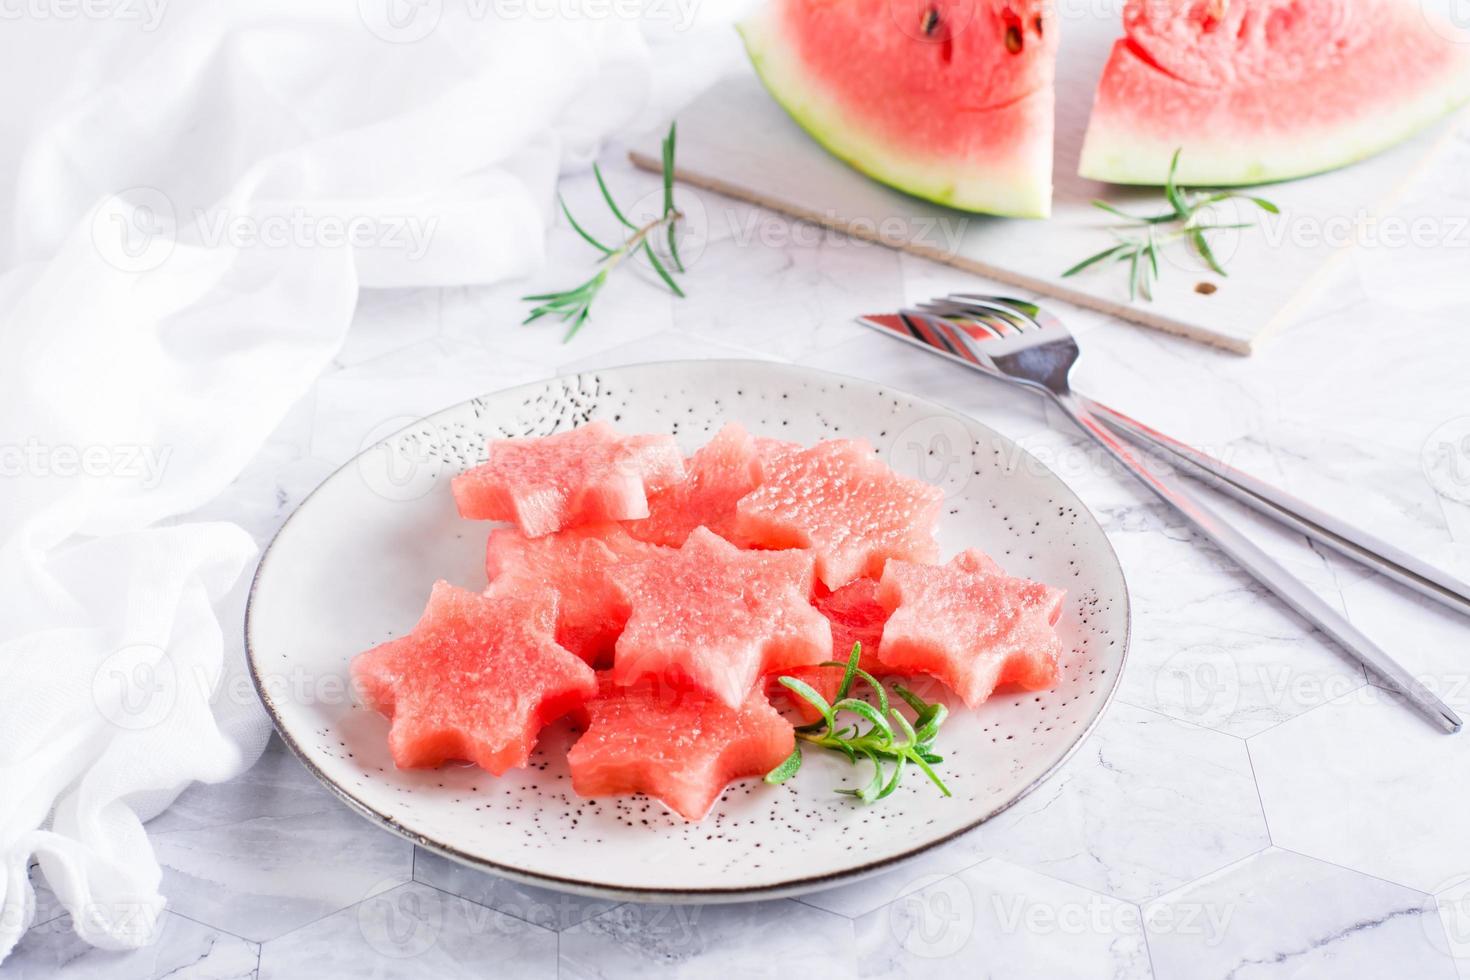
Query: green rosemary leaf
1203 248
586 236
1093 259
868 713
928 724
923 764
573 306
786 769
581 231
1263 204
911 737
1172 194
911 699
607 196
810 696
582 317
668 165
659 268
892 784
871 792
877 687
849 670
1104 205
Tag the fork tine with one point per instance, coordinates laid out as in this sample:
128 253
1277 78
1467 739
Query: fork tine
1020 307
930 331
1020 319
992 326
1002 323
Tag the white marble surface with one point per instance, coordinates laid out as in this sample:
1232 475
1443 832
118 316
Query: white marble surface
1250 807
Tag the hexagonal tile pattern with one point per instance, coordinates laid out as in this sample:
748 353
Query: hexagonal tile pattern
183 948
998 919
271 851
1212 647
860 897
546 908
1280 914
413 931
1146 804
744 940
1367 783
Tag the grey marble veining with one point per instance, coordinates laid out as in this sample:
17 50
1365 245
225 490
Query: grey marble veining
998 919
763 939
183 948
413 931
541 906
272 851
1341 923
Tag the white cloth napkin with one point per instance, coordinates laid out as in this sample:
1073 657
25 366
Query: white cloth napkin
198 190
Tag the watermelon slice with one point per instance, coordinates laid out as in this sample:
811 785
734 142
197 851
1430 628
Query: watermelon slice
855 617
585 475
678 746
1261 90
719 474
574 565
846 505
476 679
949 100
715 617
969 627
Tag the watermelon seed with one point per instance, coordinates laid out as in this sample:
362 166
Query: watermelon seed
1013 39
930 22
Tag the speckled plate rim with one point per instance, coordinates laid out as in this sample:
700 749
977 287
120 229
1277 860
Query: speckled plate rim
782 889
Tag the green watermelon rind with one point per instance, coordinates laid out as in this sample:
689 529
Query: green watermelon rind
1116 153
1023 193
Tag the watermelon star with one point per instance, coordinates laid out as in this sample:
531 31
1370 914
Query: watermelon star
719 474
476 679
575 565
843 503
680 747
582 476
856 618
970 626
715 617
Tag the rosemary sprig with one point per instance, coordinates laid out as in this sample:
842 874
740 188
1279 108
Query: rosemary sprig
574 306
1189 221
880 744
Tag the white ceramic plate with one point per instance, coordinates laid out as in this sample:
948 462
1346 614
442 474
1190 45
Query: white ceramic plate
353 565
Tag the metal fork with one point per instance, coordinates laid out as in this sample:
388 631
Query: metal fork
1016 340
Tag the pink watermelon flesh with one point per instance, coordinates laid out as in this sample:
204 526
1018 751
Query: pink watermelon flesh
855 617
678 746
476 679
715 617
969 627
574 566
1261 90
844 504
950 100
718 475
585 475
768 450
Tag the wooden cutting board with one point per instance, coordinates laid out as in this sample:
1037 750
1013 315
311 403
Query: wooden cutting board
737 141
